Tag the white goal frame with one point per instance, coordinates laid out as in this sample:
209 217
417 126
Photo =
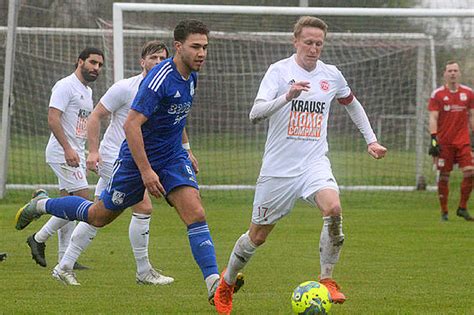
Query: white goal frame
118 34
118 49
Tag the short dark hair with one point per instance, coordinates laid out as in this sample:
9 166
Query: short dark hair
187 27
154 46
450 62
86 52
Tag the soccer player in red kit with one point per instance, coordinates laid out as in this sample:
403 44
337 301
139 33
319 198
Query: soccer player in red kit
451 111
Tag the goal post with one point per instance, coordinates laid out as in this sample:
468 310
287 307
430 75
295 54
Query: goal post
425 59
387 56
7 100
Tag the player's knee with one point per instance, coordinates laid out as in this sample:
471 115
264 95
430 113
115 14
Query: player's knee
198 215
258 237
468 173
333 210
97 219
444 177
145 211
98 223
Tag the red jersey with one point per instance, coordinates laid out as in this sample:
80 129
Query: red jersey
453 108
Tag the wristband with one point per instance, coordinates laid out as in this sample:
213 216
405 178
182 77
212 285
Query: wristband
186 146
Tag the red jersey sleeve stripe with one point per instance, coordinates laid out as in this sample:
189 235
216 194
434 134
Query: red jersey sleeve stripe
346 100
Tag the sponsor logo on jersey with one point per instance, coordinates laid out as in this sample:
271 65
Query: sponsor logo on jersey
446 98
463 97
324 84
180 110
447 108
177 95
118 197
306 118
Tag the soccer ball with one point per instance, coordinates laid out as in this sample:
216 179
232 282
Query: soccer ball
310 298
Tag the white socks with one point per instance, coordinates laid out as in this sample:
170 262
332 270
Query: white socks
41 205
330 244
49 228
64 236
80 239
243 250
210 281
139 234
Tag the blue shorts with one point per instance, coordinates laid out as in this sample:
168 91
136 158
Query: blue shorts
125 187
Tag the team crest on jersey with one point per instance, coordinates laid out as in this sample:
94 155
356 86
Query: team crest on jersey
463 97
191 88
447 108
118 197
324 84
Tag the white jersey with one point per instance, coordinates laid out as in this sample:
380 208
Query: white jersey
74 100
117 100
297 132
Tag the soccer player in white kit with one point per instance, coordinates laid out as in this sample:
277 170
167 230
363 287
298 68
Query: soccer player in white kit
69 107
295 95
115 103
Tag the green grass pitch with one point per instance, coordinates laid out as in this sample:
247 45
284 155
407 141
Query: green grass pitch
398 258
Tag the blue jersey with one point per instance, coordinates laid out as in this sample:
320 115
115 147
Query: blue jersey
165 98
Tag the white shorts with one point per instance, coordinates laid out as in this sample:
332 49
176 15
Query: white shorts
105 170
276 196
70 179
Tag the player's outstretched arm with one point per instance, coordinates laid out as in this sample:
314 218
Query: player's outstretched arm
133 133
376 150
93 131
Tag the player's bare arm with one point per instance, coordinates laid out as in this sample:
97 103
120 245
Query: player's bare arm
187 147
93 131
54 123
133 134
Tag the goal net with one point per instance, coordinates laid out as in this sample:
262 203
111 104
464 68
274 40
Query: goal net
391 73
391 70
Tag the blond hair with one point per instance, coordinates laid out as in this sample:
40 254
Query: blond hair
309 21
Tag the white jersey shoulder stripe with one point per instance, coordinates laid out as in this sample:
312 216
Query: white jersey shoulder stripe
162 78
441 88
465 87
158 75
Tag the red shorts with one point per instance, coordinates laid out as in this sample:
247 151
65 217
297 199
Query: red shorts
452 154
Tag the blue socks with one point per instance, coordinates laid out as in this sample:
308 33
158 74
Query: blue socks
70 208
202 248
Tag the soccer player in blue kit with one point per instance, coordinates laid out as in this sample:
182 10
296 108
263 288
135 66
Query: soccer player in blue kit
152 156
